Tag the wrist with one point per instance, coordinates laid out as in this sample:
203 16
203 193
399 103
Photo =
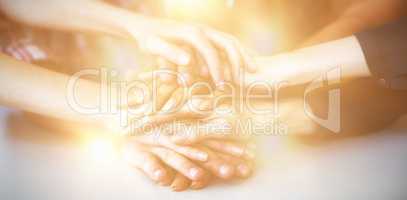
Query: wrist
278 69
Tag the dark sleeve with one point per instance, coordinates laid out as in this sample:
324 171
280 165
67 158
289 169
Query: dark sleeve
385 50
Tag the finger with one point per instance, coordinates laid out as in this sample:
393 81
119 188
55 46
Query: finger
248 60
186 73
204 71
159 47
135 97
164 93
162 139
167 70
152 100
184 76
215 129
200 110
171 176
176 101
203 67
228 44
148 89
217 165
179 163
195 107
172 108
148 98
243 168
196 185
208 52
147 163
181 102
229 77
231 148
178 107
180 183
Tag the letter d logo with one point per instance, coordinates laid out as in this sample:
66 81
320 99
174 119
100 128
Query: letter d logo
333 120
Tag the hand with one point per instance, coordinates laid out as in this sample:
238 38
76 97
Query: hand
171 165
305 65
169 161
166 39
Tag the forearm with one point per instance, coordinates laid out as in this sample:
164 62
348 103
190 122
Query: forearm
304 65
35 89
75 15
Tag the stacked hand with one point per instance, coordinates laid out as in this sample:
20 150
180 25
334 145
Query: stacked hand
209 52
188 162
186 143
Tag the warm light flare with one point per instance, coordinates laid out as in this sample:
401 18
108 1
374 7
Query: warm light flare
192 8
101 149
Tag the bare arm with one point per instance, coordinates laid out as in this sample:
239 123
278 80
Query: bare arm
35 89
77 15
155 36
303 65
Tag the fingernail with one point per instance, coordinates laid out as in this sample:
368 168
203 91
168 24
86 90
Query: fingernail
176 188
196 185
194 173
244 170
226 171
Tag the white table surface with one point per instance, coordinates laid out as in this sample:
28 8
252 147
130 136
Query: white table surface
36 164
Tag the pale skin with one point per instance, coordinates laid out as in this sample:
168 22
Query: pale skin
302 66
38 90
193 165
163 38
316 60
140 154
